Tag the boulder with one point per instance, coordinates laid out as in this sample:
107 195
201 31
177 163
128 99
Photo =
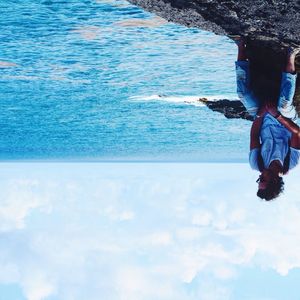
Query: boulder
269 25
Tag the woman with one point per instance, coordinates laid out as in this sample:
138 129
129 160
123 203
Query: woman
274 137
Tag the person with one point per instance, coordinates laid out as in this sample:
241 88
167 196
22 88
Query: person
274 136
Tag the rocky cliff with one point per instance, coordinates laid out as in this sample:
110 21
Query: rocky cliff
270 26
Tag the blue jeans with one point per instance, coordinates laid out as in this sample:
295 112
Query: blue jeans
251 103
287 92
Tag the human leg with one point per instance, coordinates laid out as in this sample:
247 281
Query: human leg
290 61
243 79
288 86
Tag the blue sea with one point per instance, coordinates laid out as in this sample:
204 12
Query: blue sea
104 80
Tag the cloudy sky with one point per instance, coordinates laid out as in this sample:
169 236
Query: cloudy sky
145 231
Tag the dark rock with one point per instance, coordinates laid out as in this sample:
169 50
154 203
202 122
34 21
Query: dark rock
269 25
269 20
231 109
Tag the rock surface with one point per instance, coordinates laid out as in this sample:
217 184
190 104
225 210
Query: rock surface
231 109
270 26
272 20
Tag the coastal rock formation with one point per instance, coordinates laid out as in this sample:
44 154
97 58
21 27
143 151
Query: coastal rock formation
231 109
269 25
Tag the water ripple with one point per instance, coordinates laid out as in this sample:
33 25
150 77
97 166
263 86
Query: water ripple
69 70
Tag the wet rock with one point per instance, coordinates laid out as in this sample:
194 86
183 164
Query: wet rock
269 25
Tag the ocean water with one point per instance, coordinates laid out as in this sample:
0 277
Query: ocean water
105 80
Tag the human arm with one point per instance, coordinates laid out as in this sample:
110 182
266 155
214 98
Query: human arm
255 130
295 140
254 154
289 125
293 128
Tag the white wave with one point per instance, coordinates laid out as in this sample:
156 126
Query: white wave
189 100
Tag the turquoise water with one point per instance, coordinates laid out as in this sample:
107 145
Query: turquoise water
80 79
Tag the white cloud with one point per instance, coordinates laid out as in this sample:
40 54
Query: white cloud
188 233
115 214
224 272
158 239
210 291
37 288
160 235
18 199
202 218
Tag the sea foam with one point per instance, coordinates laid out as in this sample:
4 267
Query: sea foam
189 100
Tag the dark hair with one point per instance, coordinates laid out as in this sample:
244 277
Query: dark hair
274 188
